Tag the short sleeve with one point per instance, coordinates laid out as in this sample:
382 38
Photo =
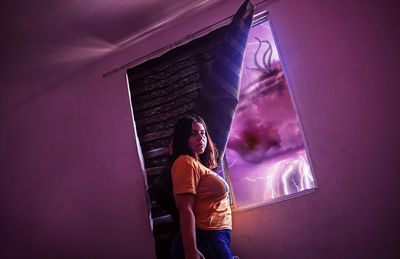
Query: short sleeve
185 177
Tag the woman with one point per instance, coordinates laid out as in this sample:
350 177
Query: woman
201 196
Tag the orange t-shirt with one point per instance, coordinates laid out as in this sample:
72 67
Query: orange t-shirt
211 209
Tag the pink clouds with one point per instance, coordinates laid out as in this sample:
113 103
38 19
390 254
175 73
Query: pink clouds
265 123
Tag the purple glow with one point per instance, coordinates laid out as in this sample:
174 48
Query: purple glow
265 152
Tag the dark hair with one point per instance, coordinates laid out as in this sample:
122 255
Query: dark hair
180 138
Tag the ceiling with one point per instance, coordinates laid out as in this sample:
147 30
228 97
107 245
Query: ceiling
45 41
44 34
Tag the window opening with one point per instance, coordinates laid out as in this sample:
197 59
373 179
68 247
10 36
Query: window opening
266 157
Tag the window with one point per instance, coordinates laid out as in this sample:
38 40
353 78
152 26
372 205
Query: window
266 158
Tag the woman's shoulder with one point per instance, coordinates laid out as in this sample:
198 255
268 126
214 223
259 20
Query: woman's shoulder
186 159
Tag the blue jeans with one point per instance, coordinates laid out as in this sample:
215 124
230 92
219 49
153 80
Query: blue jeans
213 244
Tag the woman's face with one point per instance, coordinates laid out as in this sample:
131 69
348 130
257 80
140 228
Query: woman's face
198 139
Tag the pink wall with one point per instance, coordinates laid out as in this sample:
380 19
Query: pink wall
341 59
71 184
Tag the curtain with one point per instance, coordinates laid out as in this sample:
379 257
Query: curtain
201 77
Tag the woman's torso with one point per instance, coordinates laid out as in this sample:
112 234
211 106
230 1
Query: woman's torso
212 208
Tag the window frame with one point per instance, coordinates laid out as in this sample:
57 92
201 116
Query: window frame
259 18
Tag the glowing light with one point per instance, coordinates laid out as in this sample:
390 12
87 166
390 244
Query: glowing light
286 176
275 177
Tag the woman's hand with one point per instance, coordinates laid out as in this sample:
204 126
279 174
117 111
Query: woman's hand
195 254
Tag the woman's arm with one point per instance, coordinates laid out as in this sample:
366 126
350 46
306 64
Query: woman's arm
185 204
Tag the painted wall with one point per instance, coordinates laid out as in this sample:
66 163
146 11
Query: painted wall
341 59
71 183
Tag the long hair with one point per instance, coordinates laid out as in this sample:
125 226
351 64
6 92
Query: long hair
180 138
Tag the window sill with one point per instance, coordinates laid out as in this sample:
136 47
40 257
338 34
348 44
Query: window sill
282 198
